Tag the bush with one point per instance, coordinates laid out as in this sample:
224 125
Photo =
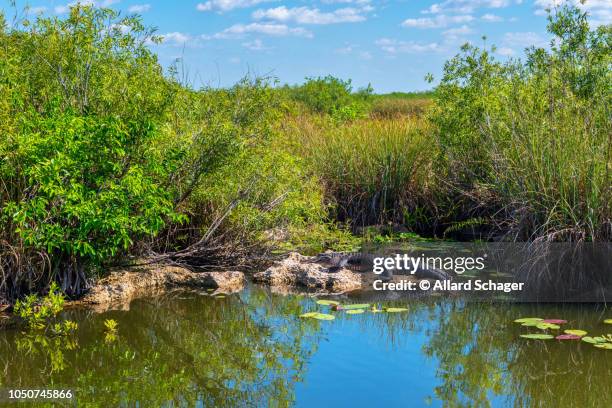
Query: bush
391 107
333 96
535 134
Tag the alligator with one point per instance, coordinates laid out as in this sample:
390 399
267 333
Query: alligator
357 261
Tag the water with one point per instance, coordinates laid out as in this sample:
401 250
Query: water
186 348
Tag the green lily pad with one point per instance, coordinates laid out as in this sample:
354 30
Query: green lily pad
531 323
355 311
535 336
544 326
608 321
220 297
356 306
593 340
318 316
606 346
575 332
325 302
528 319
396 309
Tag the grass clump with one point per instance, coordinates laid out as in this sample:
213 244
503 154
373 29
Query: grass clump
374 171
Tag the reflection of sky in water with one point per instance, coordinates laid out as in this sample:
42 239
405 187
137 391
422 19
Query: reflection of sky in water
252 349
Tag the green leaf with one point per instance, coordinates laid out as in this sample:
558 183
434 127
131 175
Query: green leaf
327 302
356 306
396 309
575 332
593 340
355 311
607 346
544 326
537 336
608 321
318 316
528 319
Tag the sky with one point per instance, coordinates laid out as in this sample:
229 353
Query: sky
391 45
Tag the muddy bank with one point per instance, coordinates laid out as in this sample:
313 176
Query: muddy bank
118 289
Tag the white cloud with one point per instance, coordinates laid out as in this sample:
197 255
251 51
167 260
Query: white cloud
438 21
305 15
505 51
600 11
176 39
255 45
278 30
467 6
523 40
393 46
454 34
37 10
491 18
62 9
227 5
139 8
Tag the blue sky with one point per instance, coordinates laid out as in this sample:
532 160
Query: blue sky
390 44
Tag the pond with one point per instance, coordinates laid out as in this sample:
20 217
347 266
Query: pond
187 348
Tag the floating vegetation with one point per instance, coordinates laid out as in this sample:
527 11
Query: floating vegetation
546 326
396 309
554 321
325 302
528 320
356 306
602 342
579 333
355 311
536 336
318 316
567 337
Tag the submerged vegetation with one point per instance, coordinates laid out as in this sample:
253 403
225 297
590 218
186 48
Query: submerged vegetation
105 158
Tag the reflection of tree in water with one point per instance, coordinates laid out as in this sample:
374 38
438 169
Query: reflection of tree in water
481 358
182 348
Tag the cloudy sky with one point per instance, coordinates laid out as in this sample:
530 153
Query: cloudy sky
390 44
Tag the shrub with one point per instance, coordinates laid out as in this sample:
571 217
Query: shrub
333 96
535 134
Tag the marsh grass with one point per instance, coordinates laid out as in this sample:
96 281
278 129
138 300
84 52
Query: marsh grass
374 171
395 107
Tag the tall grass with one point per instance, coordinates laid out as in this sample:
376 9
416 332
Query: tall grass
393 107
373 170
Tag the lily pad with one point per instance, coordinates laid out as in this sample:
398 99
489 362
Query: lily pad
575 332
318 316
356 306
593 340
355 311
531 323
545 326
606 346
567 337
535 336
396 309
554 321
325 302
220 297
528 319
608 321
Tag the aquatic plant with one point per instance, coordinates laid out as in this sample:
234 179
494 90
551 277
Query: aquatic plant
40 314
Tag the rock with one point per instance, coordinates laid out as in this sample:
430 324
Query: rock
303 271
120 287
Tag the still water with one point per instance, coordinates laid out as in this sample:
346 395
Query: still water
187 348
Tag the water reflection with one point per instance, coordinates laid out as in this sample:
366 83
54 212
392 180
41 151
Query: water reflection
189 349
